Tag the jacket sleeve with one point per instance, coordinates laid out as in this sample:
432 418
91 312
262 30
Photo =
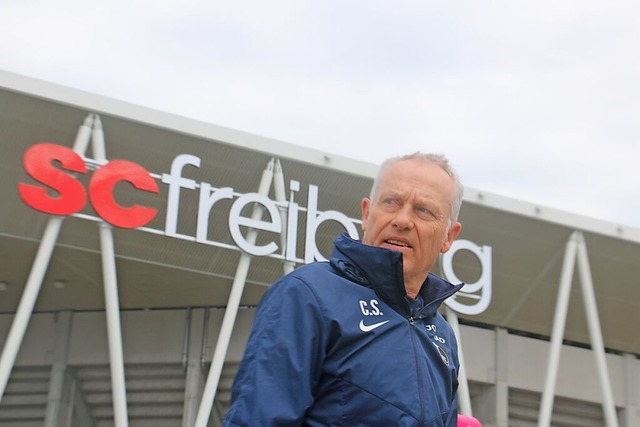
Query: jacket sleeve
281 367
452 418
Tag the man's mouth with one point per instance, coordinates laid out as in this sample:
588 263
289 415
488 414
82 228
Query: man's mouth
398 243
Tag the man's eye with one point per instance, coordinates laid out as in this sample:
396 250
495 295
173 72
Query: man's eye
423 211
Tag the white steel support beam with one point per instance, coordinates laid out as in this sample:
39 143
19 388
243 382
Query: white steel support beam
28 300
231 311
281 198
557 333
36 275
577 250
112 303
464 398
114 329
595 333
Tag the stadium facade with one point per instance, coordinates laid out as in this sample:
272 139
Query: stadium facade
135 246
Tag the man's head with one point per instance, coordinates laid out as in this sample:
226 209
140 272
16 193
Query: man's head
413 208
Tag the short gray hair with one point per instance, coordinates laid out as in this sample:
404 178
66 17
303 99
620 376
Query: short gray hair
437 159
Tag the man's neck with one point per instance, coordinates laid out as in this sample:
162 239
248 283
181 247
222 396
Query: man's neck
413 286
412 292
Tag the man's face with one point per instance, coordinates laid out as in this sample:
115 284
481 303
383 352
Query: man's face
409 213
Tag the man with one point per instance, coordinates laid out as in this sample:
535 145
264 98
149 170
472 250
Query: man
358 341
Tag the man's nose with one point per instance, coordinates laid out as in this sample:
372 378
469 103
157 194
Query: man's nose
403 219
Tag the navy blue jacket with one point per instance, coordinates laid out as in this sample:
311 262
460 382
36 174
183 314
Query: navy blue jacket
336 344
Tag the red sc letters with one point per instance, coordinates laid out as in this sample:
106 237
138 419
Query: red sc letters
72 196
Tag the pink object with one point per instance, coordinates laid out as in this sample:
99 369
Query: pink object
467 421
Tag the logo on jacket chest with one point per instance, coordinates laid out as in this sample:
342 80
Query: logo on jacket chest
438 342
432 329
370 308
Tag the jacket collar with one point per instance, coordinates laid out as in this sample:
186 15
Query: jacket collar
381 269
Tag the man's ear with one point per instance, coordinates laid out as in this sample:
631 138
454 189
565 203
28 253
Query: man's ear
366 203
453 232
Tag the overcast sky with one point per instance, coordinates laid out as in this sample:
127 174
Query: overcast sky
533 100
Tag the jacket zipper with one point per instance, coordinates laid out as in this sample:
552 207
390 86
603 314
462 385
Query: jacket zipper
419 372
